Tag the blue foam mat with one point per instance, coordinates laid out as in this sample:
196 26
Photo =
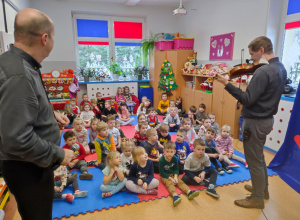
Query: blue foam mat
93 201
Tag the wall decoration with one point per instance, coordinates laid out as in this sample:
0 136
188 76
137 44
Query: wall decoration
167 80
221 47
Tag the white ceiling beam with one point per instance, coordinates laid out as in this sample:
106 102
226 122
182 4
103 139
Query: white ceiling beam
132 2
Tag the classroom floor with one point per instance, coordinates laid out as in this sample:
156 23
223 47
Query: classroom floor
284 203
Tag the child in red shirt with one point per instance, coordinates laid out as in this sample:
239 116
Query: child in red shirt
96 109
78 162
85 99
140 136
114 104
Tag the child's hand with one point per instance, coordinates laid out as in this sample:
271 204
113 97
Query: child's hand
197 179
182 161
116 168
202 175
71 164
56 189
145 185
127 172
175 179
61 188
140 182
220 157
172 125
118 146
215 155
112 170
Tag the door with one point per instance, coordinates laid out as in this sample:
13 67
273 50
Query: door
217 101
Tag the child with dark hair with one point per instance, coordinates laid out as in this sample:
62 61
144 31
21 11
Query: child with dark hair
178 105
163 104
140 136
96 109
128 98
100 101
108 110
123 114
163 135
152 119
182 149
85 100
78 162
200 114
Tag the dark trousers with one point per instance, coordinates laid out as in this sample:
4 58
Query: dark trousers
70 180
156 167
175 128
212 175
92 146
32 187
181 168
214 161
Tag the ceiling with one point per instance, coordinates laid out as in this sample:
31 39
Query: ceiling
173 3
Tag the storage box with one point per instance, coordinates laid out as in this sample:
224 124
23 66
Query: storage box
189 84
183 43
164 45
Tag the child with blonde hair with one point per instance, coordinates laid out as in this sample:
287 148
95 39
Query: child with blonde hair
96 109
190 131
141 176
213 122
81 133
113 176
117 126
144 107
123 114
119 96
141 118
114 131
75 108
128 97
87 114
224 143
172 120
127 146
70 114
169 174
204 127
93 134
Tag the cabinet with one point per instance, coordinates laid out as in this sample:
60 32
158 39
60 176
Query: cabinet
224 106
177 58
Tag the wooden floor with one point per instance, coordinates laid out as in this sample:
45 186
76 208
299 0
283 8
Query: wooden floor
284 203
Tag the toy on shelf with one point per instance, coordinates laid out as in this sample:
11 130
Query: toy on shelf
56 85
206 86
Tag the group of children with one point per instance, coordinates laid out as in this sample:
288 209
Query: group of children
131 163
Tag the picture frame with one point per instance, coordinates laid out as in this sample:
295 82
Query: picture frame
221 47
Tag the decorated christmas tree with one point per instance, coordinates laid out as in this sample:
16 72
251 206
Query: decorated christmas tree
167 81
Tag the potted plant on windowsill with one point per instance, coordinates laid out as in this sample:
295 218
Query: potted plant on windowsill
87 73
148 45
116 70
140 72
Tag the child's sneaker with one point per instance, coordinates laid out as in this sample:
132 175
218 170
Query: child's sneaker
220 171
85 176
69 197
246 165
106 194
151 191
176 200
79 194
212 192
192 194
74 175
231 165
205 183
227 170
91 163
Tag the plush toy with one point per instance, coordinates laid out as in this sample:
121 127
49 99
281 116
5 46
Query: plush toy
191 69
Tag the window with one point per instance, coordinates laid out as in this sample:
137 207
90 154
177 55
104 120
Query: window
103 39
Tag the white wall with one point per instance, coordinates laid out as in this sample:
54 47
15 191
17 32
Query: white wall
159 19
248 19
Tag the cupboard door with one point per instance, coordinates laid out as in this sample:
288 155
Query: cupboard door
190 98
207 100
229 112
217 101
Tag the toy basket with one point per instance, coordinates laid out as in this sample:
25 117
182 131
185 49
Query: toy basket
164 45
189 84
183 43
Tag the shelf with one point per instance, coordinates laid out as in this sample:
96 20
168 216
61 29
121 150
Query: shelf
119 81
187 74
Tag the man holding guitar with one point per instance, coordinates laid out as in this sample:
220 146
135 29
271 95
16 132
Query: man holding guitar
260 102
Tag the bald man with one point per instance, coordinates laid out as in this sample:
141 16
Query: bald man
29 129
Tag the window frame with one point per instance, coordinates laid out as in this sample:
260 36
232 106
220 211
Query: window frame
111 39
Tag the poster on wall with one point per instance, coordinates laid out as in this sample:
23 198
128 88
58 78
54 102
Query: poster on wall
221 47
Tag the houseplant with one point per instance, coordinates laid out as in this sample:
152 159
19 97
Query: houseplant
116 70
148 45
87 73
140 72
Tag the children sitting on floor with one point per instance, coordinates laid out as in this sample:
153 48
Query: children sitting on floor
70 114
144 107
78 161
114 103
224 143
141 118
197 169
127 146
61 181
81 134
85 100
200 114
141 176
87 114
123 114
178 105
169 174
128 98
117 126
114 131
214 153
152 119
75 108
104 143
172 104
140 136
113 176
93 134
182 149
204 127
151 148
172 120
190 132
108 110
163 104
213 123
163 135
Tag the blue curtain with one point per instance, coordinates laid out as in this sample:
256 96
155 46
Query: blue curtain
287 160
